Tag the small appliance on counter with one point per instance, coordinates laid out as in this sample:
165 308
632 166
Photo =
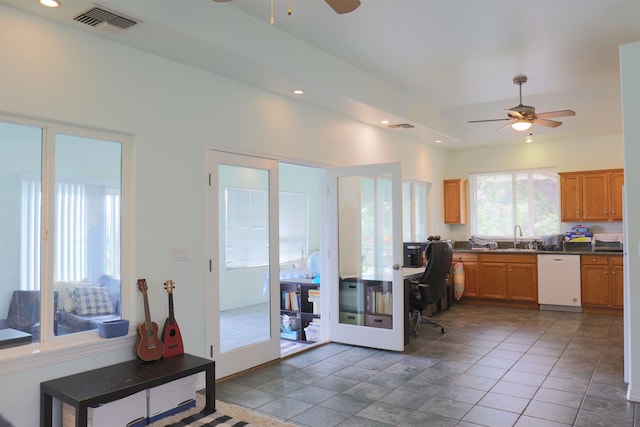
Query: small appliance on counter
607 242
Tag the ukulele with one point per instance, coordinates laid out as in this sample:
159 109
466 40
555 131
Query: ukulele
170 332
149 347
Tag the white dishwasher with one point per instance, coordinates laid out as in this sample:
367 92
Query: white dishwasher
559 282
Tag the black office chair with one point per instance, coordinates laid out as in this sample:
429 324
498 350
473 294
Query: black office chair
432 286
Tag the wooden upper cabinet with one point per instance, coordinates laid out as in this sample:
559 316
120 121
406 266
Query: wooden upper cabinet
455 201
595 196
591 195
570 197
616 181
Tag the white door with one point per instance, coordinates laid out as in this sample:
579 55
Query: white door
365 275
242 304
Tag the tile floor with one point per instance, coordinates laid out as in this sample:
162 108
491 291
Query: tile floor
493 367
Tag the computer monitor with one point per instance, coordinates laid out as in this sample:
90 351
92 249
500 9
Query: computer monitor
412 254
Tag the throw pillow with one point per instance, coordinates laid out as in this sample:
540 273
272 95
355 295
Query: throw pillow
67 292
93 300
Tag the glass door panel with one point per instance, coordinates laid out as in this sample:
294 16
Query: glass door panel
366 215
244 246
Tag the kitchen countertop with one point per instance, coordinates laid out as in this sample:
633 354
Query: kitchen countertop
534 252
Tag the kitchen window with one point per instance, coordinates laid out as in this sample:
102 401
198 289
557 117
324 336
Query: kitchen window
502 200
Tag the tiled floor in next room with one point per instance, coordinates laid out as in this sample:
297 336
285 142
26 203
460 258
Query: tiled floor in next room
493 367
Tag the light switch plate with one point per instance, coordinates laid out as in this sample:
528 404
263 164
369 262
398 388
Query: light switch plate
179 253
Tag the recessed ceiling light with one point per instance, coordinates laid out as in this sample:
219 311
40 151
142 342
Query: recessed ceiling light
50 3
297 91
438 141
384 122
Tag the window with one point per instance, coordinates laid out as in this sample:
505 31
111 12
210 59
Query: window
60 228
246 235
294 226
414 211
502 200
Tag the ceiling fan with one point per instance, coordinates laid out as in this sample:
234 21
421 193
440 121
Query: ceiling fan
340 6
521 117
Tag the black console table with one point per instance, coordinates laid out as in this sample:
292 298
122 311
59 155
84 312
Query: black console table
121 380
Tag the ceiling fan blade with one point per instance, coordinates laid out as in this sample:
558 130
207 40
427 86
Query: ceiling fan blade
515 114
489 120
561 113
343 6
547 123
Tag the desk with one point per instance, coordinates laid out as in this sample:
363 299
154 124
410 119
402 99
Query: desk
114 382
409 273
12 337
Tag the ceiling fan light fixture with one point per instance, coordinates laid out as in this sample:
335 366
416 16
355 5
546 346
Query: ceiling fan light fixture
521 125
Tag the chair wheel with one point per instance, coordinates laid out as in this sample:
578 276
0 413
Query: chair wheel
442 330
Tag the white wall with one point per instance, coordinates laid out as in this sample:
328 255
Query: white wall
630 77
174 114
594 153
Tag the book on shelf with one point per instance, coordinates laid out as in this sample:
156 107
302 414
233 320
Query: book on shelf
379 302
290 300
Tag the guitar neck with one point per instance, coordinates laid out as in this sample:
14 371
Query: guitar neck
147 314
171 316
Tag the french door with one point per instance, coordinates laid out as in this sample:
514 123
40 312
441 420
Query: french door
242 304
365 257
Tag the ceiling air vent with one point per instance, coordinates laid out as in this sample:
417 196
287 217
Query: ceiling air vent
105 20
400 126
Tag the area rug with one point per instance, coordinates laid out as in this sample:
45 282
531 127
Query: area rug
226 415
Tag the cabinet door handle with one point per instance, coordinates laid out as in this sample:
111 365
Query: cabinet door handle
605 272
510 270
503 270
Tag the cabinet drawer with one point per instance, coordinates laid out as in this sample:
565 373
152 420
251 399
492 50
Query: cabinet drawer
594 259
377 321
464 257
351 318
615 260
509 258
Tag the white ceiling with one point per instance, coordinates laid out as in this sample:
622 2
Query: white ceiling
432 63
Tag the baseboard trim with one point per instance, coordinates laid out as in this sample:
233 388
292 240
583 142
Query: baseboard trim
633 394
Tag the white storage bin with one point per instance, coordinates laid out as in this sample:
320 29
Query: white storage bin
130 411
312 333
171 398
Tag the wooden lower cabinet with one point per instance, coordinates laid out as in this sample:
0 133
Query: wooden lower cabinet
471 273
509 277
500 278
602 283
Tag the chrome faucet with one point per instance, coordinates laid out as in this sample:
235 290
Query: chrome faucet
515 242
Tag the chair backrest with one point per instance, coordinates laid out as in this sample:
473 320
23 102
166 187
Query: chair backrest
24 310
439 256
